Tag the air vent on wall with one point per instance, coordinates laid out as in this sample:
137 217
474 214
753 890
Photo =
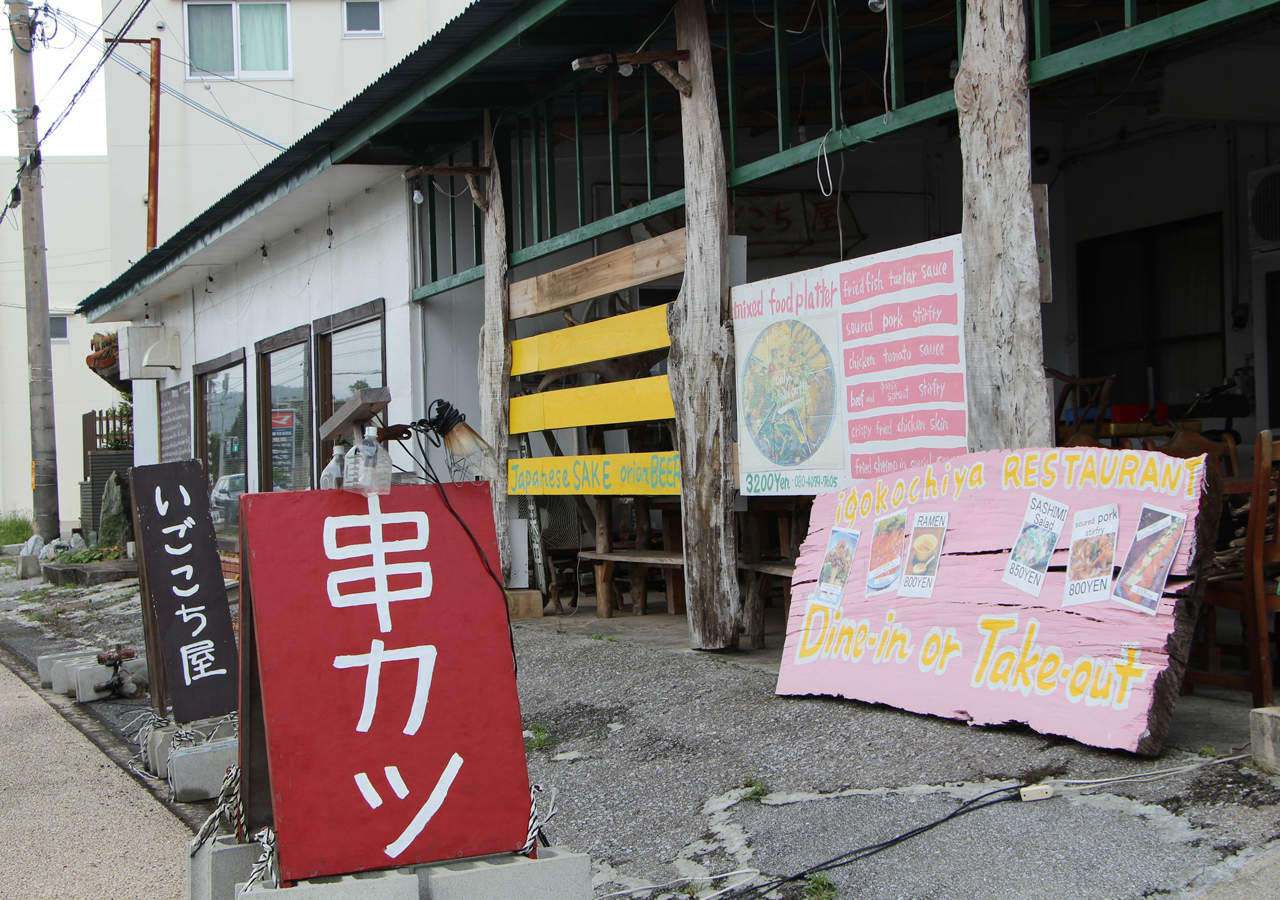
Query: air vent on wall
1264 210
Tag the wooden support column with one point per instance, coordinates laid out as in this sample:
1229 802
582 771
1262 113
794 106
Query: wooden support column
701 360
493 375
1008 405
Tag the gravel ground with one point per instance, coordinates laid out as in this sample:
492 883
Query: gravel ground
651 753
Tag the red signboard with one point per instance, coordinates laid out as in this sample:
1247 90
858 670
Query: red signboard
388 686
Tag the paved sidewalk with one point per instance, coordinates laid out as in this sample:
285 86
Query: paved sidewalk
73 826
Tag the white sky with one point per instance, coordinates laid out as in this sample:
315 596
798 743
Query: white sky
84 133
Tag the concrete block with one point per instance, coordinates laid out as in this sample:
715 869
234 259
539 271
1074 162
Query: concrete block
198 771
1264 728
218 866
29 567
386 884
59 675
524 604
556 874
88 676
44 664
161 741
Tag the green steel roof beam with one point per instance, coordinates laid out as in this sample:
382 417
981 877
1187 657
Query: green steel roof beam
781 63
731 84
486 46
1145 36
552 200
1040 15
897 61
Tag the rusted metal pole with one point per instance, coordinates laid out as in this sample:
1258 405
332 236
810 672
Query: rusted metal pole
153 147
153 151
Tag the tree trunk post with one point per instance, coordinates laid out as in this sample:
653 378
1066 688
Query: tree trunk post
1008 406
494 369
701 360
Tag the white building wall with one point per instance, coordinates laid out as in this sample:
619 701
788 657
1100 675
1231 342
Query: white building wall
75 205
201 159
303 280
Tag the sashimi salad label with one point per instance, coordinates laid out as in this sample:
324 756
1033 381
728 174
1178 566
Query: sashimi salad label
1041 527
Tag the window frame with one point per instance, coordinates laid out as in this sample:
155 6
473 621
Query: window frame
348 34
322 331
262 350
198 373
238 74
66 320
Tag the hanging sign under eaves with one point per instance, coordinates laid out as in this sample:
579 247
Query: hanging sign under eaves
851 371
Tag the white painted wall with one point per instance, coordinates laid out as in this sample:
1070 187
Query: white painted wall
303 280
75 205
201 159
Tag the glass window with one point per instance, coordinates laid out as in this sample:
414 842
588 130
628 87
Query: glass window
355 360
226 447
210 39
290 429
57 328
362 17
243 39
264 37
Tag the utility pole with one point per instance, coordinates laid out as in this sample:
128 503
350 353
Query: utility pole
44 451
153 145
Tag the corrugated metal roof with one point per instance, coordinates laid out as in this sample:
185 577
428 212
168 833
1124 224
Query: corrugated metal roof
452 41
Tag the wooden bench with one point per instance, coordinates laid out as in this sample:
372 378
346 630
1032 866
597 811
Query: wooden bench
619 350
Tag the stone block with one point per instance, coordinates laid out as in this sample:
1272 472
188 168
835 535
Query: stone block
61 672
556 874
218 866
386 884
161 741
29 567
198 771
44 664
1264 728
525 604
89 676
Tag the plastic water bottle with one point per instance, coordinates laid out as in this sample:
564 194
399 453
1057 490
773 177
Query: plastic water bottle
367 468
331 477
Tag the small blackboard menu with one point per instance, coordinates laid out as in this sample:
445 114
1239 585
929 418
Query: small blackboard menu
175 423
183 582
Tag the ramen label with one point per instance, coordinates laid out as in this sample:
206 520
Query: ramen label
924 552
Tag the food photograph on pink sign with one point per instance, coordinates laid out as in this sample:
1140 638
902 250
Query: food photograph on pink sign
965 596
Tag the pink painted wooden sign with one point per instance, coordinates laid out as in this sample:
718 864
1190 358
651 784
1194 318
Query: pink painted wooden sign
1044 586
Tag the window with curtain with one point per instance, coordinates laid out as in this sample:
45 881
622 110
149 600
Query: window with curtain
238 40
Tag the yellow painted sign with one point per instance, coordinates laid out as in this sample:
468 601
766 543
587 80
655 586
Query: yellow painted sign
615 336
627 474
638 400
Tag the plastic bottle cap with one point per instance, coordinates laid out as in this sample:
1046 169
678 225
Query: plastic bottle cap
370 431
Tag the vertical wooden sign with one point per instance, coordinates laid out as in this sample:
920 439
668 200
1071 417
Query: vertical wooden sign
184 589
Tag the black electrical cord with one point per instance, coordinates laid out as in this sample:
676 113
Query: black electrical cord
844 859
484 558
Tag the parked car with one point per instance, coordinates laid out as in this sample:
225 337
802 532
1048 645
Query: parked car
224 502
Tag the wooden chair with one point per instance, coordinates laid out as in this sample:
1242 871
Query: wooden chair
1186 444
1090 393
1252 593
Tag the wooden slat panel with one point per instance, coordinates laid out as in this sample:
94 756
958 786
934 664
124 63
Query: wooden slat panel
625 474
615 336
638 400
599 276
